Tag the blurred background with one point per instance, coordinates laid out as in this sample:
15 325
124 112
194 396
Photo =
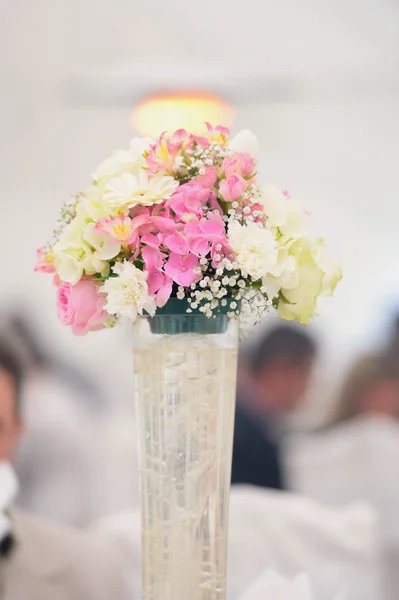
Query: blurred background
318 82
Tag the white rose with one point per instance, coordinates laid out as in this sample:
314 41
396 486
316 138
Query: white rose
274 205
283 275
72 236
299 302
245 141
295 225
127 294
123 160
139 145
255 249
95 206
332 272
282 212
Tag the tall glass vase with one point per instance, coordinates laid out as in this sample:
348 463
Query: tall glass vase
185 373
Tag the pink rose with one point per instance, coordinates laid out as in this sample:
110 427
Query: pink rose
232 187
246 163
238 164
81 306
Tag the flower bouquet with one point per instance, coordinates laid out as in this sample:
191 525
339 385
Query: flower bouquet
178 236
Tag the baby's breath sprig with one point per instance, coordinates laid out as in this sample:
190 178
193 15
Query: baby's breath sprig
67 214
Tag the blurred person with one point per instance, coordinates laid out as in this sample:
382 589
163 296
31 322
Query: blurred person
390 352
56 461
41 360
37 559
357 455
272 380
371 388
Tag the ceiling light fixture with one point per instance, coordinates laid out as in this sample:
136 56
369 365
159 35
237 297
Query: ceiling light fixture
168 112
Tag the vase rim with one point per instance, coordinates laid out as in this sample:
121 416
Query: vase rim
175 306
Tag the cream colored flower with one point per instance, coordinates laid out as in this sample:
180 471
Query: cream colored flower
68 267
299 302
283 213
123 160
130 190
255 249
72 236
283 275
332 272
245 141
81 250
127 293
93 264
95 206
105 246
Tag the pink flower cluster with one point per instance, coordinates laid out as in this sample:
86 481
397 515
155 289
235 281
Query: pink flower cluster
171 239
162 156
177 242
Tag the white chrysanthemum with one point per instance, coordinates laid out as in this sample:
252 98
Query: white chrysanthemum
245 141
127 294
123 160
282 212
255 249
130 189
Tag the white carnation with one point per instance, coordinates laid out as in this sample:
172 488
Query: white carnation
132 189
255 249
127 294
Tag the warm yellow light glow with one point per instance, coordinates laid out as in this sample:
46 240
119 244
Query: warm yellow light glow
180 111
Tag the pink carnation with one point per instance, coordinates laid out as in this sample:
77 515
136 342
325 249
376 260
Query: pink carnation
81 306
